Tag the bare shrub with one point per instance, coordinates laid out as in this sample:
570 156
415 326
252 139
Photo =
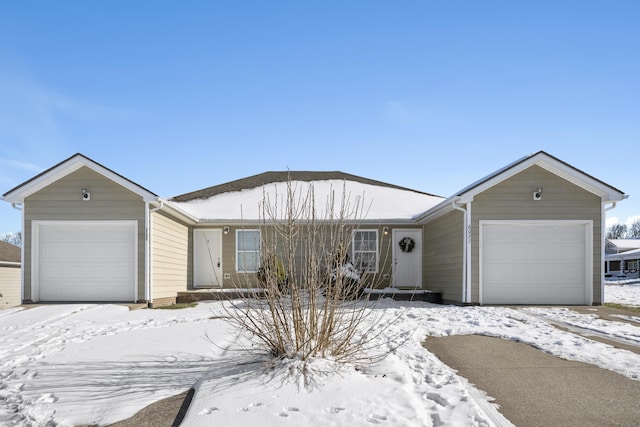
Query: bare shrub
311 303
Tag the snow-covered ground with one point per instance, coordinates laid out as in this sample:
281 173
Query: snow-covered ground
97 364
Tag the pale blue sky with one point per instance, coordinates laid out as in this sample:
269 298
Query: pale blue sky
431 95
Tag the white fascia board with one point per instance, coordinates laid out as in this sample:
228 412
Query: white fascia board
443 208
562 170
68 167
586 182
177 212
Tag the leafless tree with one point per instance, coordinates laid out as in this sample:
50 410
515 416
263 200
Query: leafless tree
13 238
310 303
634 230
617 231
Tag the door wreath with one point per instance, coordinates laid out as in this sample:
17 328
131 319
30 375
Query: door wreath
407 244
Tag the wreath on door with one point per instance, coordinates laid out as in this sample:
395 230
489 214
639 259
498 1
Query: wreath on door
407 244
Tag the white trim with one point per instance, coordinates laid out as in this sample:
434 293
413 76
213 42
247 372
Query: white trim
35 240
588 236
148 256
467 237
541 159
69 166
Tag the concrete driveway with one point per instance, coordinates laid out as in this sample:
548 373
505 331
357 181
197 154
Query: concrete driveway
534 388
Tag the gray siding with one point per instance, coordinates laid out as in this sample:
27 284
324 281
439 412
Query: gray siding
62 201
9 287
249 279
169 261
443 259
512 200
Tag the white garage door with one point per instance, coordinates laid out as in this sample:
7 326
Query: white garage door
535 263
85 261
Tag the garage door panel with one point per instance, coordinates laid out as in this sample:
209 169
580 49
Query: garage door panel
89 261
533 263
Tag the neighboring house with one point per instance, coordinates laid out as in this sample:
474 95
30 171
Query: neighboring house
615 246
622 264
530 233
9 275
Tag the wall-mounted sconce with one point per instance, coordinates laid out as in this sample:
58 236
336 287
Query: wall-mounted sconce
537 195
225 230
86 196
385 230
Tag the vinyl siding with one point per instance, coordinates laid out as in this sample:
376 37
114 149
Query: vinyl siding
443 260
169 257
237 279
9 287
62 201
512 199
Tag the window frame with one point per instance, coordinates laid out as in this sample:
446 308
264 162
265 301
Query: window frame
244 251
354 252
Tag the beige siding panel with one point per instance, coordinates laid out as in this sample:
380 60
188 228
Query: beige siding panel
512 199
170 257
9 287
443 256
62 200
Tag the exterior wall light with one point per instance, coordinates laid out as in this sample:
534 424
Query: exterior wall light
537 195
385 230
86 196
225 230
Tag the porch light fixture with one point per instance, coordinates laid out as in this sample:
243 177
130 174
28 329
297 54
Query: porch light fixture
537 195
385 230
225 230
86 196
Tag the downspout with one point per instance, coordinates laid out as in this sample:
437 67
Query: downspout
466 250
148 291
21 209
603 219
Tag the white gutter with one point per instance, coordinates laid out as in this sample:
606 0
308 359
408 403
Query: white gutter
21 209
603 222
148 219
466 250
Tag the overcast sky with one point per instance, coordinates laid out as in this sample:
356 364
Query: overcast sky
431 95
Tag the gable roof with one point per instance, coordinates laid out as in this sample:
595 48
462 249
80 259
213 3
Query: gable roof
9 252
262 179
622 245
240 200
66 167
632 254
542 159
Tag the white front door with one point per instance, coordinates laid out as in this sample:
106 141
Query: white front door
207 258
407 259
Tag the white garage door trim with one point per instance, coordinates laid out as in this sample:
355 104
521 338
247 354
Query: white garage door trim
585 225
129 226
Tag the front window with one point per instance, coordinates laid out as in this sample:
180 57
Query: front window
632 265
247 251
365 250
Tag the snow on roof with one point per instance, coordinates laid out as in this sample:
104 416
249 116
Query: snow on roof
633 254
375 202
625 244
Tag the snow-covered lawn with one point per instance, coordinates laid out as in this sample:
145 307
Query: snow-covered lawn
86 364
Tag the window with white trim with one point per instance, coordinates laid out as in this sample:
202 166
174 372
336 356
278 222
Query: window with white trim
247 251
365 250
